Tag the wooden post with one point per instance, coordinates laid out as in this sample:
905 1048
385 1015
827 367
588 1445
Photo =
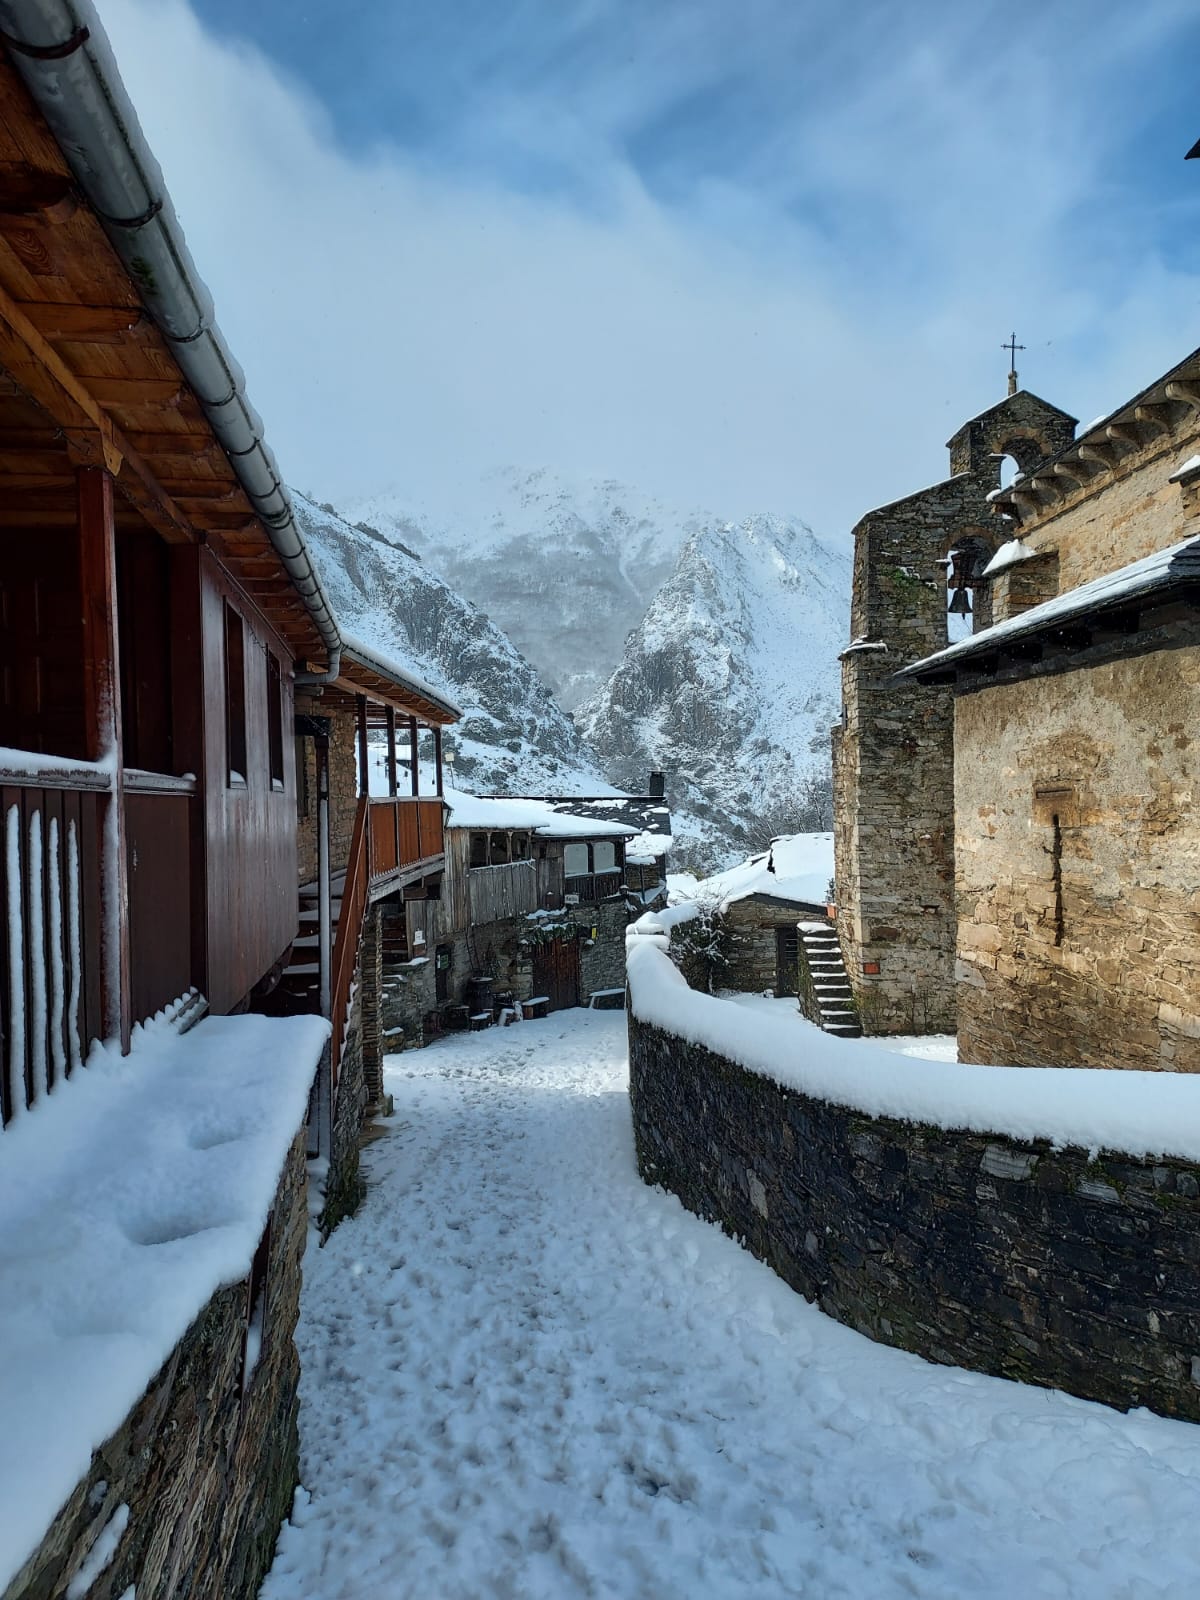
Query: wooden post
437 756
364 784
412 745
102 724
391 755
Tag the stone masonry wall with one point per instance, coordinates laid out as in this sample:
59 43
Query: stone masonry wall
207 1471
602 964
1080 945
893 754
1121 515
1019 1260
343 794
343 1182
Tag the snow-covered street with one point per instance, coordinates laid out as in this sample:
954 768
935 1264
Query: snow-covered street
528 1375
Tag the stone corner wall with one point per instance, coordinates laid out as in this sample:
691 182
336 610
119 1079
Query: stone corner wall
343 1182
1050 1266
208 1470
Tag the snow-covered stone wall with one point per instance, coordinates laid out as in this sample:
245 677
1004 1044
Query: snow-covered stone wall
1055 1265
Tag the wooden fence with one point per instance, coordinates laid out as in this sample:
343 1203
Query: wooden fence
505 890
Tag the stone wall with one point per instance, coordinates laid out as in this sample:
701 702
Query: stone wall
1019 1260
602 963
343 791
1079 940
893 754
1121 514
207 1470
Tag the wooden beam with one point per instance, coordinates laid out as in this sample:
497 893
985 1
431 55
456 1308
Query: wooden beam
437 759
84 324
102 726
415 774
135 391
29 192
391 750
364 776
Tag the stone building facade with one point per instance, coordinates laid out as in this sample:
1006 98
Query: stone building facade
1077 839
893 754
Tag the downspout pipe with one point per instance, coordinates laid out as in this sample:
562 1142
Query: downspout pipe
61 51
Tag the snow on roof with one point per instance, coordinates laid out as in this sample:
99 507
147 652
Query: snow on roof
127 1198
1139 1113
392 667
1007 556
1179 563
538 816
797 867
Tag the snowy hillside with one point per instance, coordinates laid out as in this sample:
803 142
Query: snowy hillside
513 736
565 568
730 684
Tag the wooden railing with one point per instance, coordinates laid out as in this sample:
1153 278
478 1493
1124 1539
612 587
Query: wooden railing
349 933
51 980
404 831
592 886
505 890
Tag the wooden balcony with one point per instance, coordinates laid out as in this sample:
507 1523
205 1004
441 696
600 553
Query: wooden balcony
405 832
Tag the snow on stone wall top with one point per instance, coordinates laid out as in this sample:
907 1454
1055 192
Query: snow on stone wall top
127 1198
797 867
1138 1113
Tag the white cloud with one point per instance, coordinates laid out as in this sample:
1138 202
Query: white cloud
800 334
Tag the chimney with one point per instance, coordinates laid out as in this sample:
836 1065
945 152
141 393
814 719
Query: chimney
658 785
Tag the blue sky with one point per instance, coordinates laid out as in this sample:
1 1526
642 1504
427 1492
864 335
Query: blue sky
750 254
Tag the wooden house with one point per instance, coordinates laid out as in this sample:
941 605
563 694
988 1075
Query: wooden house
532 909
162 624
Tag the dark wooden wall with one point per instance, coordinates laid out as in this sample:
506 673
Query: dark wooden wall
41 644
249 833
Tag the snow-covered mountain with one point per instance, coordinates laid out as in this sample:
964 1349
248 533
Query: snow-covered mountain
565 567
513 738
729 684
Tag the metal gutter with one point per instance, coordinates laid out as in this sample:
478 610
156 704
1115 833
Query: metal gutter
61 51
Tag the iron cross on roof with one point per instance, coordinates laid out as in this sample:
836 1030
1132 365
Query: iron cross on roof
1011 345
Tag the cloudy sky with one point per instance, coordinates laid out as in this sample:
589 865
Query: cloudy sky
746 254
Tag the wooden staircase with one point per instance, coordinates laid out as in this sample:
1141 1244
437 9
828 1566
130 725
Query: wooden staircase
835 999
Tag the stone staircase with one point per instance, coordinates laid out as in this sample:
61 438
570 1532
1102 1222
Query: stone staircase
835 1001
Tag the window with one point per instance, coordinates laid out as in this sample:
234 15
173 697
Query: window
275 720
479 849
575 860
499 847
520 847
235 700
604 856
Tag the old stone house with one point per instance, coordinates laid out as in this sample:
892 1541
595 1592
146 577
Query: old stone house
531 911
893 753
163 625
1076 834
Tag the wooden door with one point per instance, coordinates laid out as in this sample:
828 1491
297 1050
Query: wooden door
556 973
787 960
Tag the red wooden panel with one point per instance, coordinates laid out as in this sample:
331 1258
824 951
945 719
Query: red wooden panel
410 831
158 829
384 856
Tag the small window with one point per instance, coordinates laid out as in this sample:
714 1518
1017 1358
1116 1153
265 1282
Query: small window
479 849
275 720
520 847
575 860
604 853
235 700
499 847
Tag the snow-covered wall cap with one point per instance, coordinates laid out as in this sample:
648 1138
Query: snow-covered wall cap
62 52
1137 1113
1167 569
390 666
128 1197
1186 470
1008 555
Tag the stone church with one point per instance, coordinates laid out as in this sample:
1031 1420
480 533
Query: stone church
1018 850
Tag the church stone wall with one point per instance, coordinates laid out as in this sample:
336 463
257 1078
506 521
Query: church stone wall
1079 940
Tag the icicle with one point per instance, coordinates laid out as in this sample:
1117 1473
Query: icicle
16 963
39 1081
58 1054
75 949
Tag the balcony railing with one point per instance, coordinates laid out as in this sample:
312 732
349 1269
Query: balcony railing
403 832
592 886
